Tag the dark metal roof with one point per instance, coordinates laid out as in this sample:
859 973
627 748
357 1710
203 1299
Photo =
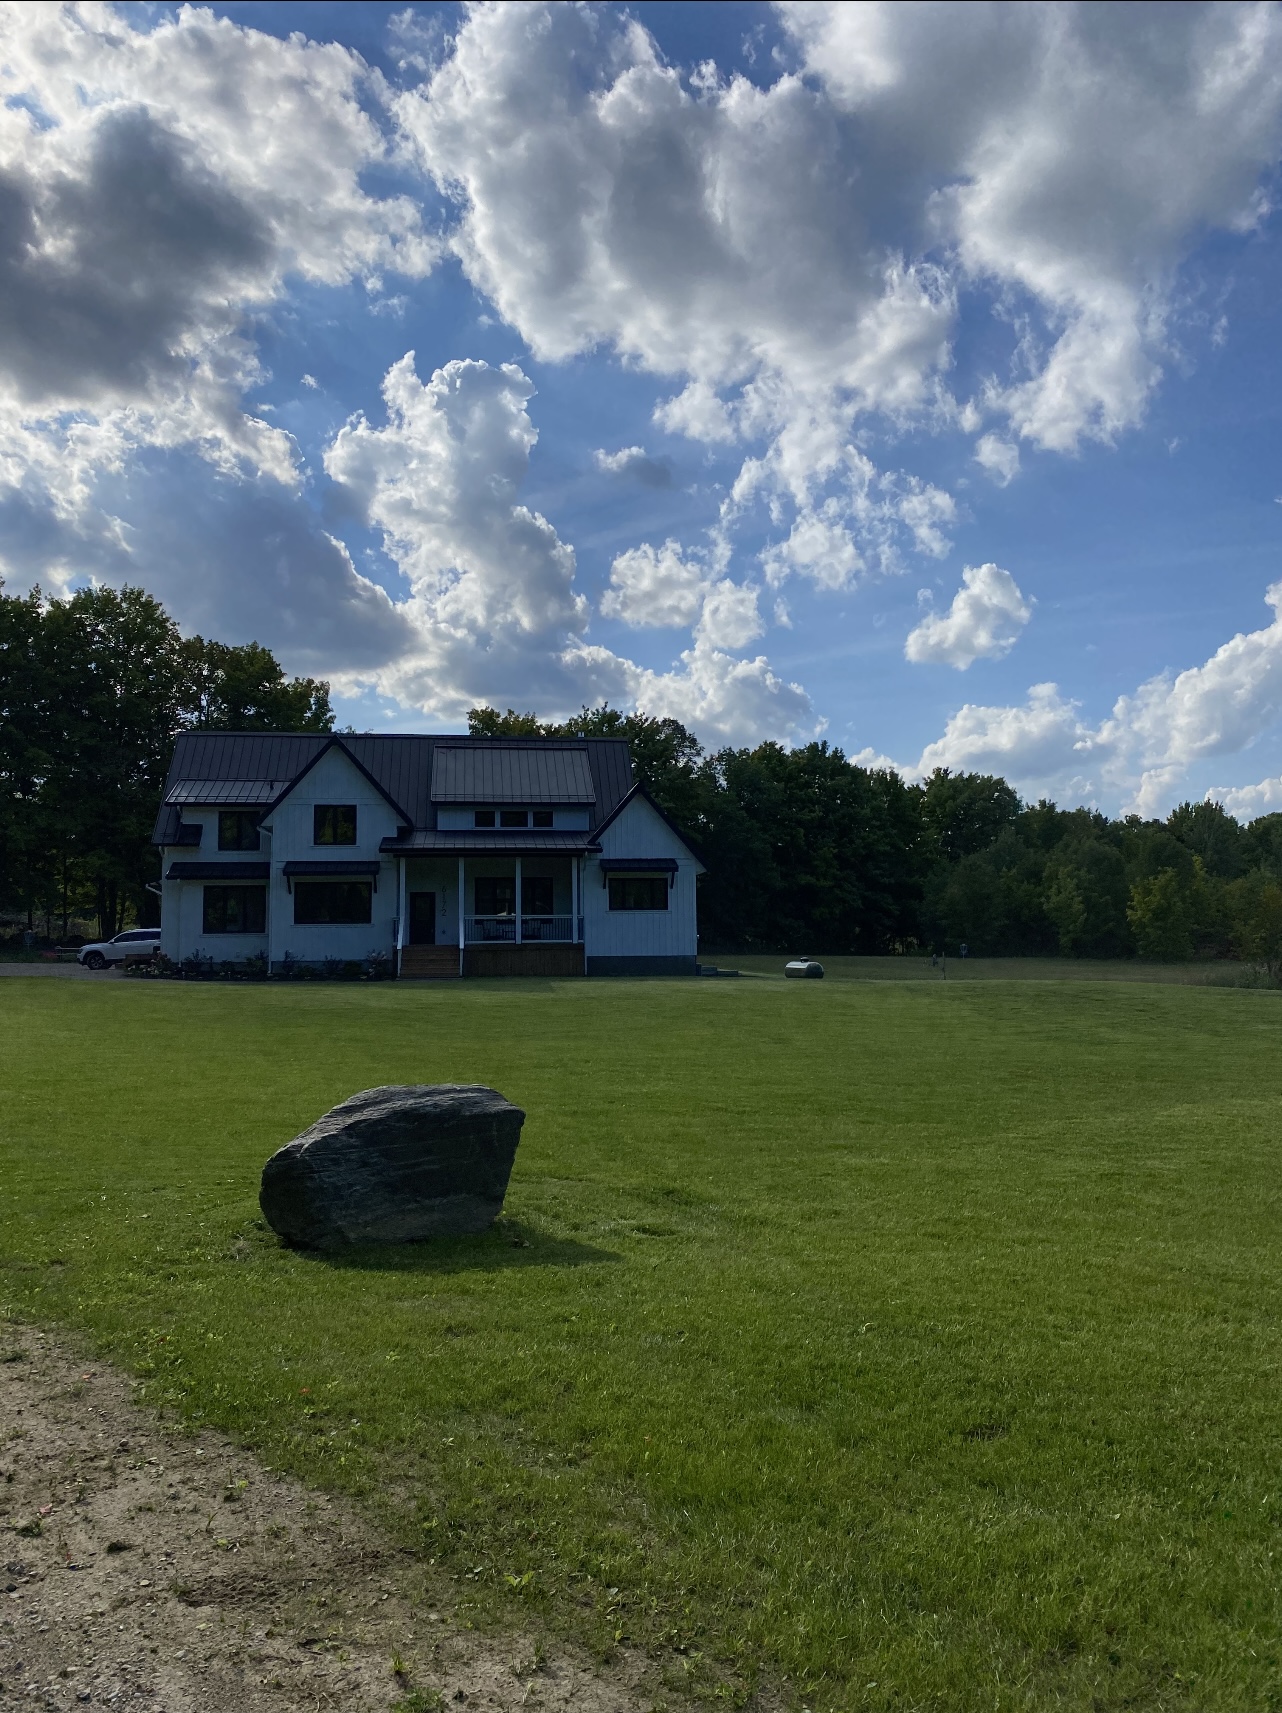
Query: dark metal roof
638 865
246 792
400 763
298 869
469 843
557 773
172 830
218 871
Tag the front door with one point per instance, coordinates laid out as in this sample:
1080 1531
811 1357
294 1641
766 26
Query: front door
422 918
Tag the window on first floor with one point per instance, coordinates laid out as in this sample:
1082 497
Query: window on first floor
235 910
238 829
536 895
638 892
333 901
334 824
495 895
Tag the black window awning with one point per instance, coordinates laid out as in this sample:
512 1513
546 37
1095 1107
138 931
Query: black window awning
218 871
353 869
639 865
332 870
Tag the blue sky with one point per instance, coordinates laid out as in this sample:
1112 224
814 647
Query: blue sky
907 376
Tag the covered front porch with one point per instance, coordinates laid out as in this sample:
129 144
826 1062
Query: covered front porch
486 913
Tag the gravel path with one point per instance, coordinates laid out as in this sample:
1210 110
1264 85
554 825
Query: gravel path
142 1568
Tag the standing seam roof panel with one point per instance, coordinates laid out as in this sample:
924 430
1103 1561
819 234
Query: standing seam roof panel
511 774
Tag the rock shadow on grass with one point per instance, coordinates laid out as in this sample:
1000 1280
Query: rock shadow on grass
507 1244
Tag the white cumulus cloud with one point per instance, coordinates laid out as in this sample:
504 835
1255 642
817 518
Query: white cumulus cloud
159 185
999 457
1042 742
655 586
792 256
636 462
492 607
1143 751
983 623
1072 154
730 618
1248 802
1218 708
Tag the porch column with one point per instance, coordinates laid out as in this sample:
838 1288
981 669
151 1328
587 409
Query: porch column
574 898
400 911
518 901
462 929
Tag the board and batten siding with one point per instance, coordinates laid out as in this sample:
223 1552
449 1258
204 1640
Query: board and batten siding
672 933
334 779
182 902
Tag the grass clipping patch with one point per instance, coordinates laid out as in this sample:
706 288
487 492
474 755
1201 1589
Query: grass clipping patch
898 1345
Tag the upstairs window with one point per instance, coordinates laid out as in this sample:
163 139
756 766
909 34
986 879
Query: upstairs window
237 830
483 818
638 892
541 818
334 824
514 817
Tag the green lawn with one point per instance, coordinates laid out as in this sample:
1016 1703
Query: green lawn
918 1343
1218 973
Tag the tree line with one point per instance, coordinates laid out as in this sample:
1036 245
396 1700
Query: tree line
805 850
93 691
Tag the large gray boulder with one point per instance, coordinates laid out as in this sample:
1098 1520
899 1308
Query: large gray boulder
395 1165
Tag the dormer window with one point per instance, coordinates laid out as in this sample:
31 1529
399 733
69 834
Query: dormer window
483 818
514 817
334 824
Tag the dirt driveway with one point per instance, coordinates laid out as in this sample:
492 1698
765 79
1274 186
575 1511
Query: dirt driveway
142 1567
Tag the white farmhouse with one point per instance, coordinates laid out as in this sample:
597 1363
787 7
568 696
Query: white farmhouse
450 855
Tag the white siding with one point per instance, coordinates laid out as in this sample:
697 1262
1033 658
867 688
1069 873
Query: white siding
670 933
334 779
182 902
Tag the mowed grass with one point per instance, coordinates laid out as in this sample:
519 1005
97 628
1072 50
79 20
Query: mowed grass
901 1345
1220 973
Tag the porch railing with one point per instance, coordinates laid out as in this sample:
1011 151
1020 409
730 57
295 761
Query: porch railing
500 930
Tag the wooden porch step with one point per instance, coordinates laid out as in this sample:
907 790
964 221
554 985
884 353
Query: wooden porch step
429 963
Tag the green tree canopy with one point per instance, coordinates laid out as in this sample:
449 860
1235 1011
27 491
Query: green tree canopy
93 691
